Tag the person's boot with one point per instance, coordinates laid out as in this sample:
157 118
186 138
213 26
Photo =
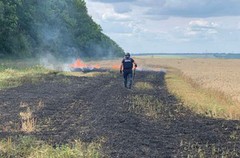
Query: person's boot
125 84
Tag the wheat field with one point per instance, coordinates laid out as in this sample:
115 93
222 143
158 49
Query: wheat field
221 75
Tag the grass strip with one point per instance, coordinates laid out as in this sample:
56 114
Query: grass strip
30 147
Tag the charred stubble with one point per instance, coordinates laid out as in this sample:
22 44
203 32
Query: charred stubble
98 108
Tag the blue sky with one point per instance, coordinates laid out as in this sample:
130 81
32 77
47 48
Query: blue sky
170 26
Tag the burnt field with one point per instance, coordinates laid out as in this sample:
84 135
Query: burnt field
144 122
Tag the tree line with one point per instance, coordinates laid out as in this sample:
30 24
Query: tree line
61 27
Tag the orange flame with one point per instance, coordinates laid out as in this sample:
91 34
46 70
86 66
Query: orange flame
97 66
78 64
116 67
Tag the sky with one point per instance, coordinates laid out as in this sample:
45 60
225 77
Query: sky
170 26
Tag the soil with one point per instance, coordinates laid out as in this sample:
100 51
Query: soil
97 108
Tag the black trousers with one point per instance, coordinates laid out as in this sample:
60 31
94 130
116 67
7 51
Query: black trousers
127 75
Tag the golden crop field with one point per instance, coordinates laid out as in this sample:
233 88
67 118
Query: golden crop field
217 74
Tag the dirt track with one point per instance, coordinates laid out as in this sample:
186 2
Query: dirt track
98 108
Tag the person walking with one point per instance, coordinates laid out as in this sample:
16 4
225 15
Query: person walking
127 70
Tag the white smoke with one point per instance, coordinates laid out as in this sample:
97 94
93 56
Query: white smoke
51 62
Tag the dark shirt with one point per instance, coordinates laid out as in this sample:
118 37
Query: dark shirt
127 63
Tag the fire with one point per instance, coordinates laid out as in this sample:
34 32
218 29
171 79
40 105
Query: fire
97 66
78 64
116 67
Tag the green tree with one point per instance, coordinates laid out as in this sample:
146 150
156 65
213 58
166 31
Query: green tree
63 28
8 23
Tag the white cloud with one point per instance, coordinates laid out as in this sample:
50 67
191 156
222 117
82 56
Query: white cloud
122 8
203 23
183 8
202 27
112 16
169 25
238 25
